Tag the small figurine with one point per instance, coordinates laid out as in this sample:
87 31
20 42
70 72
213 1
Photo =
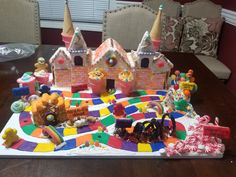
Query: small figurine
10 136
27 80
44 89
18 106
41 65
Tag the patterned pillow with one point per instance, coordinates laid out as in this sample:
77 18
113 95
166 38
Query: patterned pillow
201 35
171 33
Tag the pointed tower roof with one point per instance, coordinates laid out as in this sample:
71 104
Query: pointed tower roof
77 42
156 28
146 46
68 29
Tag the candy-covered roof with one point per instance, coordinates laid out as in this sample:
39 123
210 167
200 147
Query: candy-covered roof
146 46
77 43
161 63
61 52
110 45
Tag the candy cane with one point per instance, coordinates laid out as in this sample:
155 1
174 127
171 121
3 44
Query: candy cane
216 121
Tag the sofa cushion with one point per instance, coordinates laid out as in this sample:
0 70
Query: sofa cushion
201 35
214 65
171 33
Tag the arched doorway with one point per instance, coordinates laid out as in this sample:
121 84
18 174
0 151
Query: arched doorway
78 61
144 62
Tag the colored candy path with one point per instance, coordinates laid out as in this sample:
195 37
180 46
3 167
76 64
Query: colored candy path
103 138
131 110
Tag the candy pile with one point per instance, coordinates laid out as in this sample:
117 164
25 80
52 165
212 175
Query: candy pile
184 81
96 74
126 76
197 142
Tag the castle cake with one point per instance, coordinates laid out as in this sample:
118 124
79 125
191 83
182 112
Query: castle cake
141 69
108 103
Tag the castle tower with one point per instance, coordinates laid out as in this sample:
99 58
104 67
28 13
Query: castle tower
156 29
145 52
78 49
68 29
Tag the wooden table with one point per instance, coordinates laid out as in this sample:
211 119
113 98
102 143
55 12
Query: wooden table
212 98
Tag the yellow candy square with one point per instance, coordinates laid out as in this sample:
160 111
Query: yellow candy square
161 97
142 147
44 147
104 112
105 99
70 131
112 97
141 105
158 115
28 109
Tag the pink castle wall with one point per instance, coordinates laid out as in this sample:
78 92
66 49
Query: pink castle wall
62 78
79 75
145 79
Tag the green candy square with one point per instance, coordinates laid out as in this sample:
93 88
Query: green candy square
101 137
76 95
141 92
134 100
73 102
109 120
28 129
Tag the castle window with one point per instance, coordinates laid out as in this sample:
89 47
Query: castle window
145 63
78 61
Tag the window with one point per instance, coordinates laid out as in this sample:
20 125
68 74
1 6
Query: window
78 61
87 14
145 63
81 10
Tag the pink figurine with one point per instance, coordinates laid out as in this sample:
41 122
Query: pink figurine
27 81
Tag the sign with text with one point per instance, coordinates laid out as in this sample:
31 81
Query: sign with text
187 85
216 131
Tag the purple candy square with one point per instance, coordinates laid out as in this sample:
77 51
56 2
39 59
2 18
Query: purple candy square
94 113
149 115
83 129
25 115
129 146
111 108
155 98
27 146
119 96
93 95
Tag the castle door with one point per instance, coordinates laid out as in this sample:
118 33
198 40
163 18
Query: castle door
110 84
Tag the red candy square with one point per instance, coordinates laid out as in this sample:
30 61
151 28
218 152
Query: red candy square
24 122
145 98
138 116
114 142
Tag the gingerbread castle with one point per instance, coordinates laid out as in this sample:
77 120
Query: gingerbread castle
141 69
